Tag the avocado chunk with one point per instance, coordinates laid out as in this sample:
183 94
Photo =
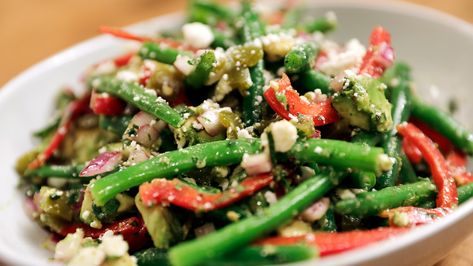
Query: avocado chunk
363 103
163 227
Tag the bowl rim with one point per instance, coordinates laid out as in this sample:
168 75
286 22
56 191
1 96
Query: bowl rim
369 252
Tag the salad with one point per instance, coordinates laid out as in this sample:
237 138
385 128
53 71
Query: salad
246 136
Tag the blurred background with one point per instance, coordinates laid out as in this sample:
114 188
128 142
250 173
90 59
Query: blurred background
32 30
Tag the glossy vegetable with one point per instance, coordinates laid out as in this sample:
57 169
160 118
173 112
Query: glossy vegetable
372 203
287 103
447 191
178 193
139 97
241 233
444 124
333 243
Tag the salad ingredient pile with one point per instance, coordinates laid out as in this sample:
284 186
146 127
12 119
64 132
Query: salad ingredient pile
244 137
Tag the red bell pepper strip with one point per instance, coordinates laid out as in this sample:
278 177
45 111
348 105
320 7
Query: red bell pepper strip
333 243
457 162
145 75
412 152
123 60
447 196
380 54
322 112
444 144
132 229
129 36
413 216
105 104
72 112
183 195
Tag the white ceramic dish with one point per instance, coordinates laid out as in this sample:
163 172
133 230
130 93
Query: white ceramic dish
438 47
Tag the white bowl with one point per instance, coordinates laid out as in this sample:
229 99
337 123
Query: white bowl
437 46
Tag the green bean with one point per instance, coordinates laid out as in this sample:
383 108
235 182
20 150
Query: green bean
238 234
407 173
252 255
115 124
367 137
391 143
301 58
324 25
444 124
253 28
311 80
136 95
199 76
209 12
158 52
363 179
371 203
266 255
252 103
172 163
341 154
337 153
465 192
60 171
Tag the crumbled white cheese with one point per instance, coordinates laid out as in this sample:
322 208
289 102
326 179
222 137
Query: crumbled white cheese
90 256
183 64
69 246
256 163
284 135
211 122
127 75
113 245
339 61
244 134
197 34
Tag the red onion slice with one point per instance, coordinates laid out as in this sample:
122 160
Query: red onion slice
103 163
146 135
316 210
142 118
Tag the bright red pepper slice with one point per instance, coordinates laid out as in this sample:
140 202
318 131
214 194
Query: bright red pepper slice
129 36
457 162
444 144
123 60
380 54
333 243
72 112
183 195
322 112
414 216
413 154
132 229
105 104
447 196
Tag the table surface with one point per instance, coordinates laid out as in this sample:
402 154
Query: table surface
33 31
